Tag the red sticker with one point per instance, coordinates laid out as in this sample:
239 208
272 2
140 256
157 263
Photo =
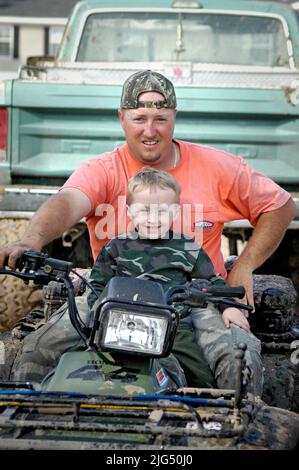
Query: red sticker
161 377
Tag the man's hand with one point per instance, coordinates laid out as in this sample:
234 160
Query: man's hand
61 212
242 276
235 316
10 253
268 233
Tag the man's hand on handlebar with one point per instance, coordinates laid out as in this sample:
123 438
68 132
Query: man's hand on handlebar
11 253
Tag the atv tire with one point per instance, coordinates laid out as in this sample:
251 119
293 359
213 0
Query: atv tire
16 298
275 303
280 381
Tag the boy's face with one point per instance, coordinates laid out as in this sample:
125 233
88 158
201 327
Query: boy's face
152 211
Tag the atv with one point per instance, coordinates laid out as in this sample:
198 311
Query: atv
125 390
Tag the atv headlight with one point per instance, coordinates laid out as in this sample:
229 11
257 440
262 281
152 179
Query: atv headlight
142 332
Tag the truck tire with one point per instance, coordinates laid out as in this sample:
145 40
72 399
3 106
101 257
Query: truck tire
16 298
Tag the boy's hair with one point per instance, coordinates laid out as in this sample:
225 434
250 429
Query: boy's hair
148 178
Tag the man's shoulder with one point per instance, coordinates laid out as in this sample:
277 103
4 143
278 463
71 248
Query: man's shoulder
203 152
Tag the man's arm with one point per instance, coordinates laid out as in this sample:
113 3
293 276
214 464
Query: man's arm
52 219
267 235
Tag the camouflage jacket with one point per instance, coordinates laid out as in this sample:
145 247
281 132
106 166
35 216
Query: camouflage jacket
170 261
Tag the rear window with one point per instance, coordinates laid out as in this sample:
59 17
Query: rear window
193 37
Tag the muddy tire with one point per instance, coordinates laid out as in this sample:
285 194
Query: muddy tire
275 303
280 377
16 298
295 403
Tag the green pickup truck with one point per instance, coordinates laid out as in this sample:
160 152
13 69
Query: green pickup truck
235 66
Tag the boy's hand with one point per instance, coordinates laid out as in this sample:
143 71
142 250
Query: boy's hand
234 315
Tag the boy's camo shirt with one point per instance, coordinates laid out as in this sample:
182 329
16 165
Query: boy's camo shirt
171 260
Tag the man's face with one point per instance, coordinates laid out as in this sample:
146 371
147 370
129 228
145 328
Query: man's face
152 211
149 132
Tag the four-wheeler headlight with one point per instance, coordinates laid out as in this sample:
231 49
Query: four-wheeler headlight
141 332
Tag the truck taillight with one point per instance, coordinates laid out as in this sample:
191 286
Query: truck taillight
3 133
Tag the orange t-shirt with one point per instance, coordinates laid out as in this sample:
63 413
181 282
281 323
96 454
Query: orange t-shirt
217 187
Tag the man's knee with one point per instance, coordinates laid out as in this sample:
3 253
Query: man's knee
30 367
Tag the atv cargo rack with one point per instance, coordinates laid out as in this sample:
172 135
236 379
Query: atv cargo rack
35 419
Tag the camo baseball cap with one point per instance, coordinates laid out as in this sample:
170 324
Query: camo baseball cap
147 80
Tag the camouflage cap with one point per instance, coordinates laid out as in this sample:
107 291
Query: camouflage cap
147 80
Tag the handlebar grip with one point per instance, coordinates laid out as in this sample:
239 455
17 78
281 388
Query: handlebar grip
224 291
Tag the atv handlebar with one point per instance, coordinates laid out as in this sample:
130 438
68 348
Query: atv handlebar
235 291
39 268
198 293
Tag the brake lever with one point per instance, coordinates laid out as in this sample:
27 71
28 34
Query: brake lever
36 277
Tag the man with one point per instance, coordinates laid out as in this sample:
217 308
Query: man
221 184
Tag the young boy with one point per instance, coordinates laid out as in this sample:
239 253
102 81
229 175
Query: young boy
153 251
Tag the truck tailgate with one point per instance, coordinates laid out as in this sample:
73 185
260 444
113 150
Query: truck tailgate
59 125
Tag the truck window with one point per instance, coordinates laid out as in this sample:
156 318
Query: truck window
229 39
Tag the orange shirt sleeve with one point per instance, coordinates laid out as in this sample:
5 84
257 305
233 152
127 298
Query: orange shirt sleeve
90 178
251 194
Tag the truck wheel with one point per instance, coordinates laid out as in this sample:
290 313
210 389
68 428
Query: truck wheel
16 298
